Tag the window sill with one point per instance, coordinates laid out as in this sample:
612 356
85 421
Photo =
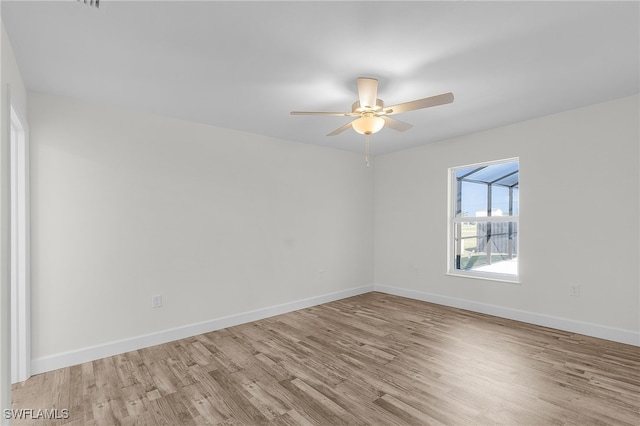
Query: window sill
505 278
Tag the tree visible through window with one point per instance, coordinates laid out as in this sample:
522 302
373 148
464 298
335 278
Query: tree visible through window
484 222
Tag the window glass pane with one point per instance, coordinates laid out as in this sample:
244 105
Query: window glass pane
486 247
495 172
473 184
516 201
510 180
503 199
460 173
474 199
499 201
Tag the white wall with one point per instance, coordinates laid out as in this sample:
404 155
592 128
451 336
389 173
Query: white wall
221 223
127 205
579 220
11 86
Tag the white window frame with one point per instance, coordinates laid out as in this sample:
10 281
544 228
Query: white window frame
453 221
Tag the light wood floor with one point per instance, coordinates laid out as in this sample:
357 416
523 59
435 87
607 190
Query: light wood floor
372 359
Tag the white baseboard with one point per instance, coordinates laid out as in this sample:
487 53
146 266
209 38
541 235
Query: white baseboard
79 356
589 329
67 359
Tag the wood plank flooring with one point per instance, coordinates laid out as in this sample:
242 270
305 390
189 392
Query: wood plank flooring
373 359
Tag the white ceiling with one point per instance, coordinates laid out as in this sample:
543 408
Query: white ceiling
246 65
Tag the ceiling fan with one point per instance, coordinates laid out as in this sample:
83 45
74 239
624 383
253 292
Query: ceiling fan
373 115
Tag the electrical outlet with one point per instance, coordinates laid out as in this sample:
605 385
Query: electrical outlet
574 290
156 301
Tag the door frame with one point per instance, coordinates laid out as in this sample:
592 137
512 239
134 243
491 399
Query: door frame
19 224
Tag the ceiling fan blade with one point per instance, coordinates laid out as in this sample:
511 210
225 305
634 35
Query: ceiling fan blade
340 129
445 98
398 125
340 114
367 92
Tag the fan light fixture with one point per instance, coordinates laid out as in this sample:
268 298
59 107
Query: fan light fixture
368 124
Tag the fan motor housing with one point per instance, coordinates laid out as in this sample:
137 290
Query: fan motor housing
359 109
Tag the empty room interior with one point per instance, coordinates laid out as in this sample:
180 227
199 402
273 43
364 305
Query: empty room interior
297 213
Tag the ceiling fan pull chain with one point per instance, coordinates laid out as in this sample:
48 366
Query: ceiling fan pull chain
366 150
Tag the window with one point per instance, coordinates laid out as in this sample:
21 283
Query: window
484 220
